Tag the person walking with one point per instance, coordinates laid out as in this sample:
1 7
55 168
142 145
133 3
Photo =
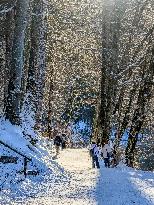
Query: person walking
114 155
57 143
106 151
63 144
94 153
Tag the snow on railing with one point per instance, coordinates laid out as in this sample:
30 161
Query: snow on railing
6 145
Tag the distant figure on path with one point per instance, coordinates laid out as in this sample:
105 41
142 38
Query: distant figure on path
57 143
63 144
94 153
114 161
106 151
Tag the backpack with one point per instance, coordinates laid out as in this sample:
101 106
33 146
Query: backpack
57 141
92 152
109 154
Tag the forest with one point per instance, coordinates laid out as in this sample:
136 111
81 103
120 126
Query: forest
82 67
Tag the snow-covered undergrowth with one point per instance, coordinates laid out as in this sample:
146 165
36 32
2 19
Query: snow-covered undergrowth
12 180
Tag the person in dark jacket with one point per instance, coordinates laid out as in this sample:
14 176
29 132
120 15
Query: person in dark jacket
57 143
94 153
114 157
63 144
106 151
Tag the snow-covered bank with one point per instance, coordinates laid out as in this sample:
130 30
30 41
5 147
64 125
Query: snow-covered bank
13 143
125 186
13 136
79 184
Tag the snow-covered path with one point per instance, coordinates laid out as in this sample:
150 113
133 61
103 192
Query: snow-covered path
118 186
79 189
86 186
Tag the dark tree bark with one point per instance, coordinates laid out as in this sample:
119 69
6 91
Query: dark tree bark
13 99
126 118
36 71
139 114
49 115
9 31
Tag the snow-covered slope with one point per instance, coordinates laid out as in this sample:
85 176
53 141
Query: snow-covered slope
12 136
13 143
81 185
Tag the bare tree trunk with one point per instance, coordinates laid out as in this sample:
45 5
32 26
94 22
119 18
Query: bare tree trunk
49 117
139 113
9 31
13 99
126 119
36 72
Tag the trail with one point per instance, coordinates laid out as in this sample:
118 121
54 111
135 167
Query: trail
114 186
86 186
80 189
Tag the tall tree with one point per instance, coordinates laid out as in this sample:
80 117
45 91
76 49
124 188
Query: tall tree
14 86
145 93
36 69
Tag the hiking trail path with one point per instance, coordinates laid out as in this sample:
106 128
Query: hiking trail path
87 186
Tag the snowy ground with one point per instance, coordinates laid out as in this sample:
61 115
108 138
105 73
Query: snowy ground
79 184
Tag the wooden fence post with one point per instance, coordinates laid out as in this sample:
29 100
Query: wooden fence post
25 166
